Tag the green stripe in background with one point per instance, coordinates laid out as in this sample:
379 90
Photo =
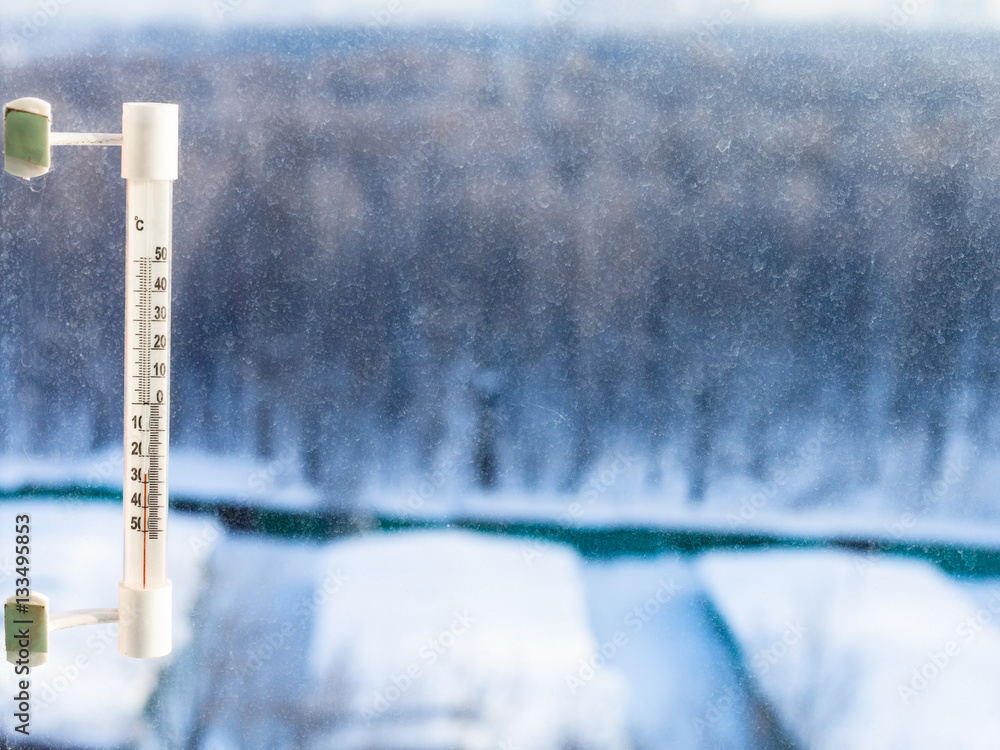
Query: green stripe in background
960 558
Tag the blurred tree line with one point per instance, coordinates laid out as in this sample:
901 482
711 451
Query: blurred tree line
527 251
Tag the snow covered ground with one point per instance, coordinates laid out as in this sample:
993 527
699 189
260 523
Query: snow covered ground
439 639
683 689
88 695
449 638
453 639
864 653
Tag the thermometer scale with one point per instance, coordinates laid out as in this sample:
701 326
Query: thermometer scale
147 381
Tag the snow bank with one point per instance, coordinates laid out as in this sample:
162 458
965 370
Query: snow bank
428 639
684 689
863 653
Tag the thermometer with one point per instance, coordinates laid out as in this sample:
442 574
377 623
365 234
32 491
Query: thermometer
149 141
149 164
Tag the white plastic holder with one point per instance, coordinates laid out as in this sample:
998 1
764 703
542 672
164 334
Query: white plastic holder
27 624
144 617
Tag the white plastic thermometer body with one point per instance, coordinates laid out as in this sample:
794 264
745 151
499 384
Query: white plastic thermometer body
149 164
